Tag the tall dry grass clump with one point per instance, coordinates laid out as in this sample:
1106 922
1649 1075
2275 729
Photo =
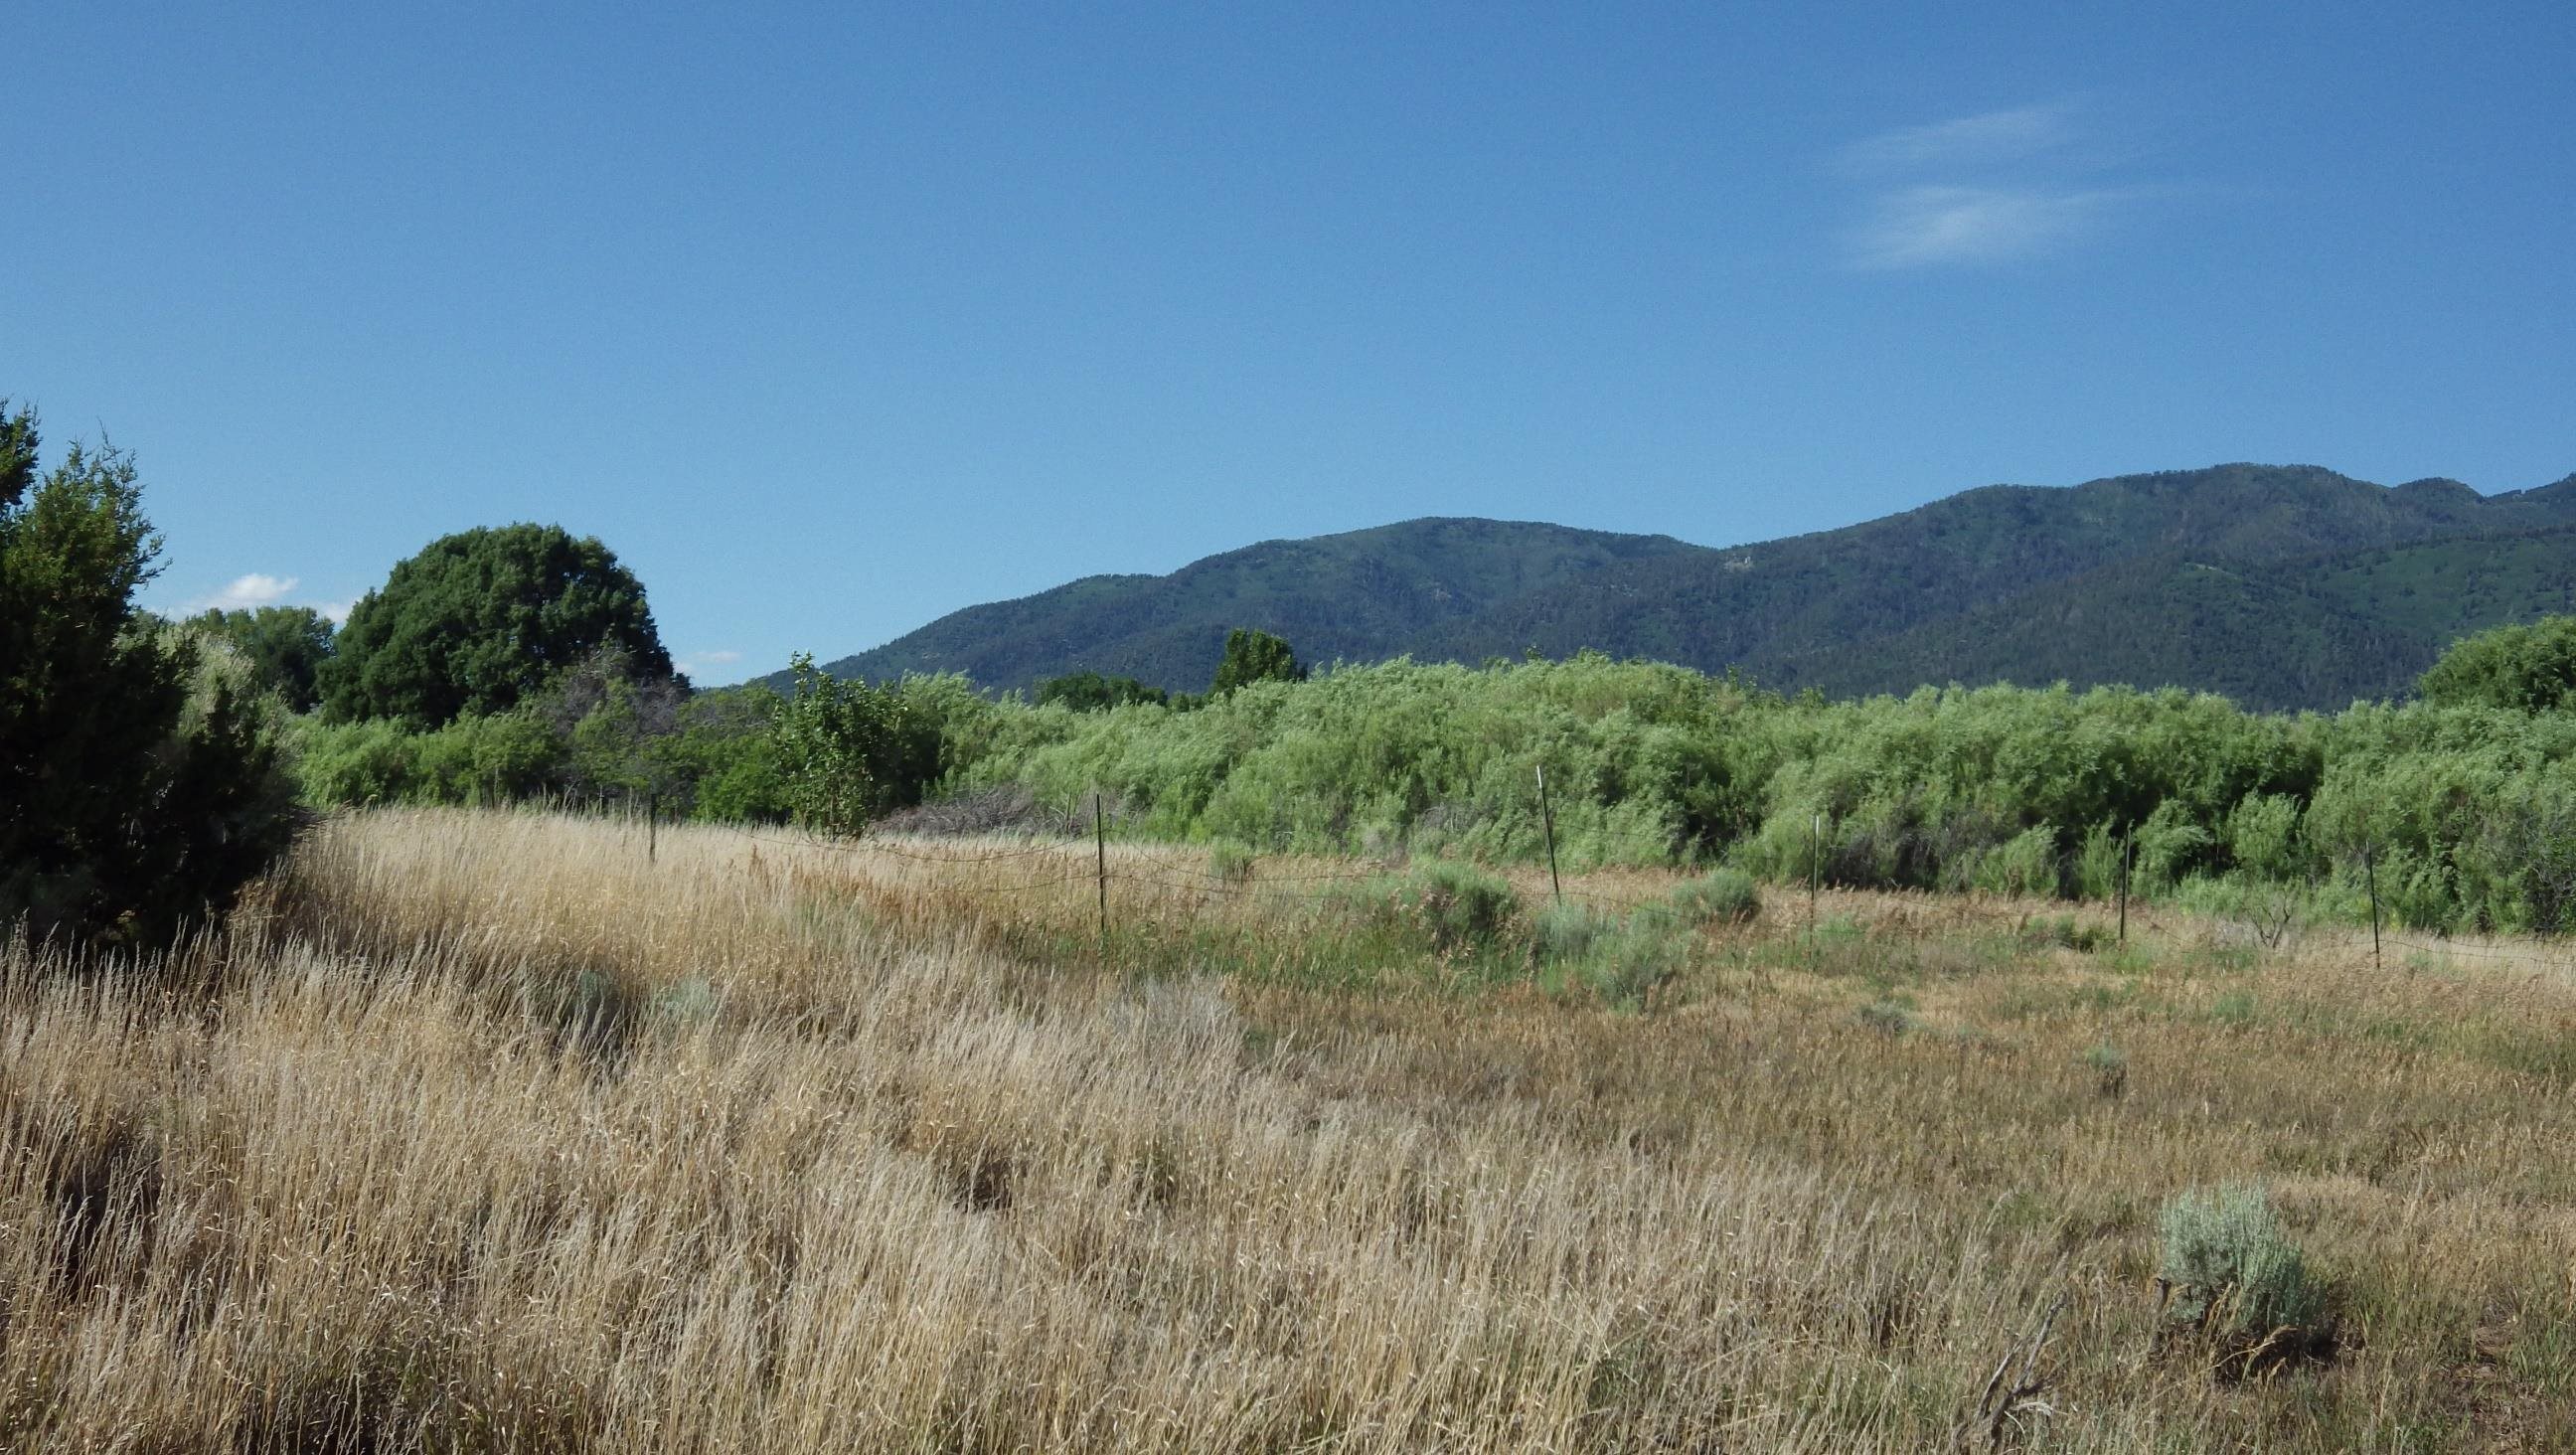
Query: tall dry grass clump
481 1131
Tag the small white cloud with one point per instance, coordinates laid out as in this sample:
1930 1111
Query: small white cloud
699 661
336 612
248 592
1929 226
1966 141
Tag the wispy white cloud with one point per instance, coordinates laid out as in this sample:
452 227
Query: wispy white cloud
1932 225
1992 188
1985 139
336 612
247 592
700 661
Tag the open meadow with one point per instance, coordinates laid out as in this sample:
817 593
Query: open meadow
482 1130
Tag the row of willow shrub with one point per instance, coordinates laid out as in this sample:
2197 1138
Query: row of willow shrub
2470 812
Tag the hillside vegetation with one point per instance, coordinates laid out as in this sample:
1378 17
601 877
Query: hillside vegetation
486 1132
2283 587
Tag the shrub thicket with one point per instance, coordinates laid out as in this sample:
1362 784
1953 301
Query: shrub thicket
2470 810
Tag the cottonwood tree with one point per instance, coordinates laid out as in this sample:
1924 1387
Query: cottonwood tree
1254 656
483 620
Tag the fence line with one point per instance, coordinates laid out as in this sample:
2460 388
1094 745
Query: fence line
1258 887
1211 886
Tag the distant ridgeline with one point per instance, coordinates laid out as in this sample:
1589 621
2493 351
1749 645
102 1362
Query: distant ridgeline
2278 586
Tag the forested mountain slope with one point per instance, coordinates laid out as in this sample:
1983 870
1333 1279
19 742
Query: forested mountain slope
2284 586
1358 596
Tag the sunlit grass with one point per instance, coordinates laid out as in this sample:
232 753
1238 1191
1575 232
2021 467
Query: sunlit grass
481 1131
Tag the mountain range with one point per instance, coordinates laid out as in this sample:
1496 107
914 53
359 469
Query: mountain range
2280 586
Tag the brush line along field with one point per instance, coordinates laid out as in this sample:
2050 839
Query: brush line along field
480 1131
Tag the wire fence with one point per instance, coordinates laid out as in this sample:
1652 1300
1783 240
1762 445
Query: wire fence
1105 871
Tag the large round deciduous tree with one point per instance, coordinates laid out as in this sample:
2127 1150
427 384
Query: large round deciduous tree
480 621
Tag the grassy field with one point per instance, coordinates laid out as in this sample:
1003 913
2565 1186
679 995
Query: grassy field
480 1131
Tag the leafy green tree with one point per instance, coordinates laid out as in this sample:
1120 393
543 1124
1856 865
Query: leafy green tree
847 751
483 620
1092 692
1254 656
139 768
2526 668
285 645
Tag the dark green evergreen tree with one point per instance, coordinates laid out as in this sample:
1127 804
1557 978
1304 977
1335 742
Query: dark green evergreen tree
483 620
139 776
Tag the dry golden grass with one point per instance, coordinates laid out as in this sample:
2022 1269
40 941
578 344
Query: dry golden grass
478 1131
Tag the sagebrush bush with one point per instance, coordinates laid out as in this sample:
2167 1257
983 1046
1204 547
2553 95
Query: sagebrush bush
2229 1264
1566 932
2110 1068
1638 956
1889 1015
1621 958
2065 932
1455 906
1721 896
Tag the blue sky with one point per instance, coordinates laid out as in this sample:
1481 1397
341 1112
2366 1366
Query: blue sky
830 320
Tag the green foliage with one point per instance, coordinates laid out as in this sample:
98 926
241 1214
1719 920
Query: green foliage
1721 896
617 724
140 764
2230 1265
2026 863
1254 656
724 757
2262 837
478 759
284 645
2525 668
482 621
595 737
849 751
2064 932
2471 812
1090 692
